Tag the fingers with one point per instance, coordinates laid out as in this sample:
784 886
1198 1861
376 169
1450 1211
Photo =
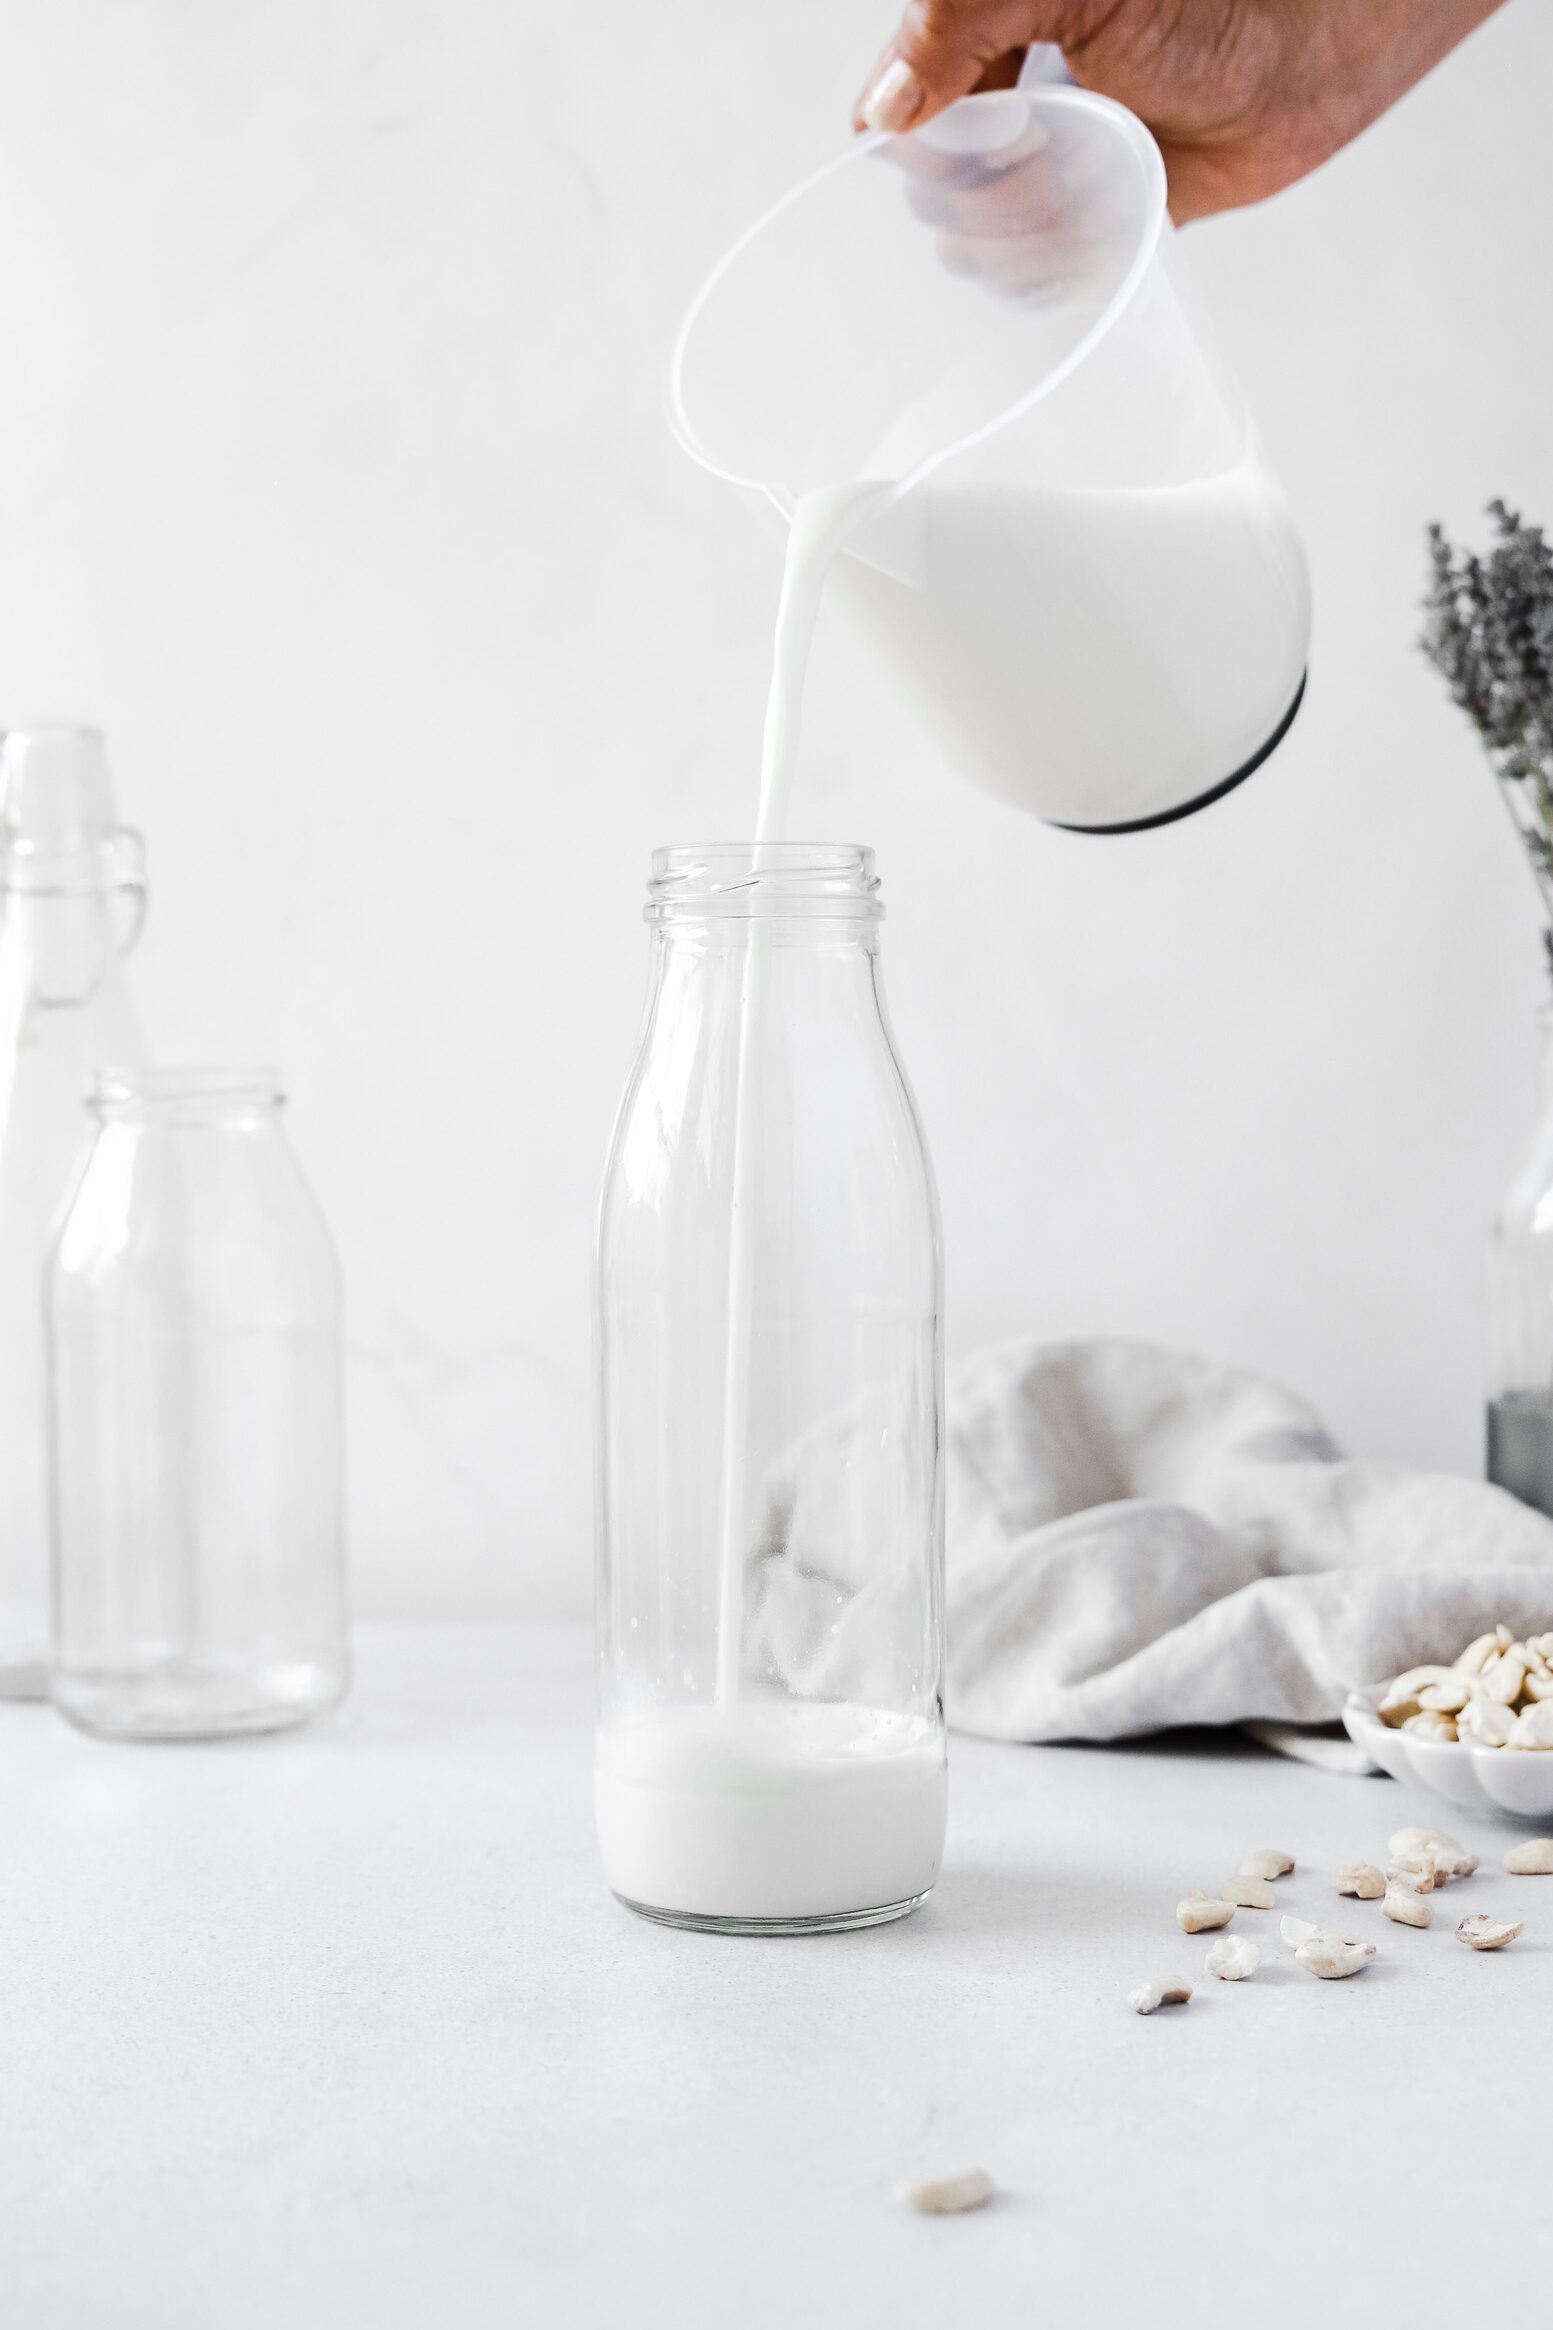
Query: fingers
945 49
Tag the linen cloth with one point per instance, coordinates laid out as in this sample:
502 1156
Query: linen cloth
1138 1538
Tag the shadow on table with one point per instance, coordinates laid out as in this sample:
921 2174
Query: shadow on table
975 1898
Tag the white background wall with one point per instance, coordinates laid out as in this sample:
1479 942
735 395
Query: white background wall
333 482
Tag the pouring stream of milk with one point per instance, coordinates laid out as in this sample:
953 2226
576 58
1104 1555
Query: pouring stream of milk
820 521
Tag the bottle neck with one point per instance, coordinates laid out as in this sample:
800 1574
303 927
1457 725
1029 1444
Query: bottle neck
72 878
725 889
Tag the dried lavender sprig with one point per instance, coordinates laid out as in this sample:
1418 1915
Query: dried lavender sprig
1488 629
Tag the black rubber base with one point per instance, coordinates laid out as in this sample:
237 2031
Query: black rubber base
1200 800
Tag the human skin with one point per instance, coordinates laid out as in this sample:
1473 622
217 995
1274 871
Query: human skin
1243 96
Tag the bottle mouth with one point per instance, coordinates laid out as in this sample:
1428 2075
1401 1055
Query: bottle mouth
743 879
56 794
194 1095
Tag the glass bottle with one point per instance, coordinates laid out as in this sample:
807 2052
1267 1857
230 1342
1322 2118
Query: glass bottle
770 1490
72 900
1520 1315
196 1411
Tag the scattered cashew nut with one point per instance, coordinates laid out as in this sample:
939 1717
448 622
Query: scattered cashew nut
1416 1871
1332 1956
1196 1914
1532 1859
1404 1906
1419 1840
1164 1990
1450 1857
1232 1958
1358 1878
1267 1863
1481 1933
947 2196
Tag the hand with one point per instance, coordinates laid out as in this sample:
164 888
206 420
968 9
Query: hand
1244 96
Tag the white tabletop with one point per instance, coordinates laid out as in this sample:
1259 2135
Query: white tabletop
343 2030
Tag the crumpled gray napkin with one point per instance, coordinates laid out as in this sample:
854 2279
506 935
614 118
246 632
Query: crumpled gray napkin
1138 1538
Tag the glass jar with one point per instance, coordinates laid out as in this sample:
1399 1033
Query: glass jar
1520 1315
196 1413
770 1418
72 901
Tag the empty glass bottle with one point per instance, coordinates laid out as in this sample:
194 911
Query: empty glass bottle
771 1742
197 1435
72 898
1520 1316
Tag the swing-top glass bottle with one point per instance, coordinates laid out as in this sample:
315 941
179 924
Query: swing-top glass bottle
72 900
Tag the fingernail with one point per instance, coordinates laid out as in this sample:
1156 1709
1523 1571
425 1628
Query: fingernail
895 99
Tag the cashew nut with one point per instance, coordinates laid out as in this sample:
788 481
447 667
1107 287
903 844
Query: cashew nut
1164 1990
1268 1863
1487 1722
1400 1698
1482 1933
1427 1725
1450 1857
1333 1956
1502 1678
1533 1726
1414 1870
1404 1905
1532 1859
1403 1841
1196 1914
1296 1930
1357 1877
1491 1697
1232 1958
946 2196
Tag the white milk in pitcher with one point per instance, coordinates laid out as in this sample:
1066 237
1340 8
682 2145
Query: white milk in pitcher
1100 656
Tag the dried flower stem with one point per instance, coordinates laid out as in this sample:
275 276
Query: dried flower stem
1488 629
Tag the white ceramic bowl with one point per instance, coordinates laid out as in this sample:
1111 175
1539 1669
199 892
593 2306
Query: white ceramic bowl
1518 1781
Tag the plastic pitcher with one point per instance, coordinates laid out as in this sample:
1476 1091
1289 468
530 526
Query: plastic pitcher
1080 572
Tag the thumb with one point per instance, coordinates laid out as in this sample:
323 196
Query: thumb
942 51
